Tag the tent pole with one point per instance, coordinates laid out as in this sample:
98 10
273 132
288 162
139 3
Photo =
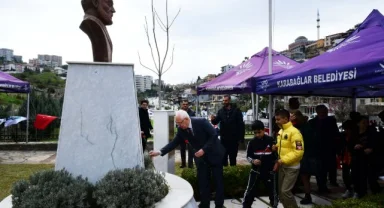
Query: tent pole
257 107
270 104
354 105
253 106
26 133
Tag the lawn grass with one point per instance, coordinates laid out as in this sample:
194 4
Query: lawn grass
11 173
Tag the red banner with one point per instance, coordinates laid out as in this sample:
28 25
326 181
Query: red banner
42 121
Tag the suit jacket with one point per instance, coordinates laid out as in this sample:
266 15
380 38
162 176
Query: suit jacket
204 137
326 132
231 123
145 123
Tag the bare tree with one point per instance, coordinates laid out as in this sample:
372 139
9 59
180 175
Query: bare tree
342 108
159 59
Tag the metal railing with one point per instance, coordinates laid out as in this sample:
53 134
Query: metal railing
17 132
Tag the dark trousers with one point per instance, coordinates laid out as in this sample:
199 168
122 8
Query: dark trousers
347 176
144 143
204 172
327 166
231 149
364 171
253 183
332 169
183 148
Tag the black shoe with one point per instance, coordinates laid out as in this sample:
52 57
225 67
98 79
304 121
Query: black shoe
182 166
306 200
190 166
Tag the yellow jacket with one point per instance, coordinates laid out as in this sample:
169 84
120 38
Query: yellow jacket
290 145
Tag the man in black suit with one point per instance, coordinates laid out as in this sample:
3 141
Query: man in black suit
145 123
232 129
202 137
327 133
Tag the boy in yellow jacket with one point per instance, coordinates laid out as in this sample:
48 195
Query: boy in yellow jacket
290 147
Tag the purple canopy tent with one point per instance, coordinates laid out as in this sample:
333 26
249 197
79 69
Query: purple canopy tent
10 84
239 79
354 68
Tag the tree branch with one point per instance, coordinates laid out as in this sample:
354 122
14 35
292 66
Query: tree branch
174 19
160 22
150 45
154 37
173 50
146 66
167 48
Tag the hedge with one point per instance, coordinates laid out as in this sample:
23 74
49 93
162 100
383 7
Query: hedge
134 188
235 181
370 201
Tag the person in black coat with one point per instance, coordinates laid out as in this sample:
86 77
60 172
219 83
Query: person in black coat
260 155
328 135
145 123
232 129
364 167
202 137
183 146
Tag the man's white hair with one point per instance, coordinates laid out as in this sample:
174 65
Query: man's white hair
182 114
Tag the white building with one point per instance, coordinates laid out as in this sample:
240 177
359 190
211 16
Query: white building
148 80
143 83
7 54
59 70
226 68
50 60
369 101
329 40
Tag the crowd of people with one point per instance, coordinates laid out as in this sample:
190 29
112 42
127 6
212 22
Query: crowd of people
297 149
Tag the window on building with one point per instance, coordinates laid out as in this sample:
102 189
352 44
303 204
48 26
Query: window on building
362 102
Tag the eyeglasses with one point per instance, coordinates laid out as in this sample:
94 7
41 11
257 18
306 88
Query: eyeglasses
178 123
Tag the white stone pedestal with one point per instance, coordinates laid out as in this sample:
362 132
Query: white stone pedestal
164 132
100 128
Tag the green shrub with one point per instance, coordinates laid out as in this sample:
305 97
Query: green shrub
51 188
370 201
235 181
134 188
148 163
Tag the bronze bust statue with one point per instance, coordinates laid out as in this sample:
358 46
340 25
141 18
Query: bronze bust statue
98 14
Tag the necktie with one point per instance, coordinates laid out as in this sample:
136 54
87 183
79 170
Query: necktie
190 131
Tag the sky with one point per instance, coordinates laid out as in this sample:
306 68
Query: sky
207 34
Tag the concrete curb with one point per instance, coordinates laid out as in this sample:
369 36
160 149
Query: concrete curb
52 146
32 146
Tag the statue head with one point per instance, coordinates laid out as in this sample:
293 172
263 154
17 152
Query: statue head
102 9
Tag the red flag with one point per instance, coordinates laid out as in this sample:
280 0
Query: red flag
42 121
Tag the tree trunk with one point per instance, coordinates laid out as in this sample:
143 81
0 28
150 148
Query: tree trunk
159 92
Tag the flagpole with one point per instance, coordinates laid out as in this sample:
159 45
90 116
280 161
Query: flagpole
27 132
270 105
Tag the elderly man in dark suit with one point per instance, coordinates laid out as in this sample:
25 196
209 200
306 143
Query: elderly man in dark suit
202 137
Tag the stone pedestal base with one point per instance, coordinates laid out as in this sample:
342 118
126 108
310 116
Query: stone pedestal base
100 128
